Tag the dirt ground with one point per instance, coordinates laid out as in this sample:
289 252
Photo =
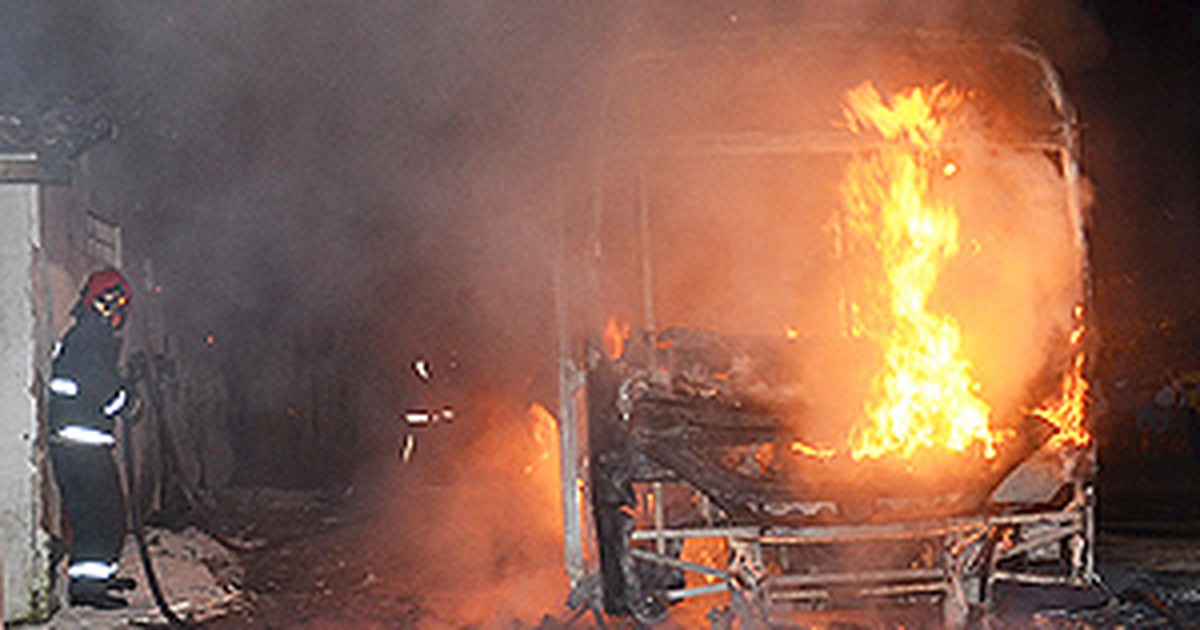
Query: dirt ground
334 559
313 571
330 578
468 535
475 544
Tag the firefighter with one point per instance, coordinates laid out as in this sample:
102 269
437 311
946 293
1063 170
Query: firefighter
86 396
431 408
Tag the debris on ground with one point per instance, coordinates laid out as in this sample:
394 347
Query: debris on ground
1152 582
1161 601
201 580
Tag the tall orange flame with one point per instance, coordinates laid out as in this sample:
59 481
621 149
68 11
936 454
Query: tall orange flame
925 396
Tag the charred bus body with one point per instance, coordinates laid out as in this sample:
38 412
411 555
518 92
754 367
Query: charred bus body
743 417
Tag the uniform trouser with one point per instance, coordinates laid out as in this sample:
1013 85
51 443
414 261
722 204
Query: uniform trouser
94 503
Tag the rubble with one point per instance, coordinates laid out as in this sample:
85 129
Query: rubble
201 579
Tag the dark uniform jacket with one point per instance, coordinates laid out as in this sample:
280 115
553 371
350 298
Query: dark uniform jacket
86 387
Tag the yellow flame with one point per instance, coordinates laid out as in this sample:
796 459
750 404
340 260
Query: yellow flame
808 450
925 395
1068 412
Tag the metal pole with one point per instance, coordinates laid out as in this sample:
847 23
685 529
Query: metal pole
647 271
660 541
568 446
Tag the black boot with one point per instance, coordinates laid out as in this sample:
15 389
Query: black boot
121 584
94 593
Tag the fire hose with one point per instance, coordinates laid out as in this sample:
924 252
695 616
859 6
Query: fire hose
140 372
135 516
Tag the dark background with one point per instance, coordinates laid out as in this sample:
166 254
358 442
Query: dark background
329 189
1141 144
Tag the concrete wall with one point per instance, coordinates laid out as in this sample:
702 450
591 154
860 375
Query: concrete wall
22 541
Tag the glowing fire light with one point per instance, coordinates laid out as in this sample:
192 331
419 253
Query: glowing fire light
615 334
925 396
808 450
711 552
543 426
1067 413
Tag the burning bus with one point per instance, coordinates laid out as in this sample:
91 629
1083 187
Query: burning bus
824 331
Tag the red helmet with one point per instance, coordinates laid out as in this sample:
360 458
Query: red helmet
103 281
106 292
